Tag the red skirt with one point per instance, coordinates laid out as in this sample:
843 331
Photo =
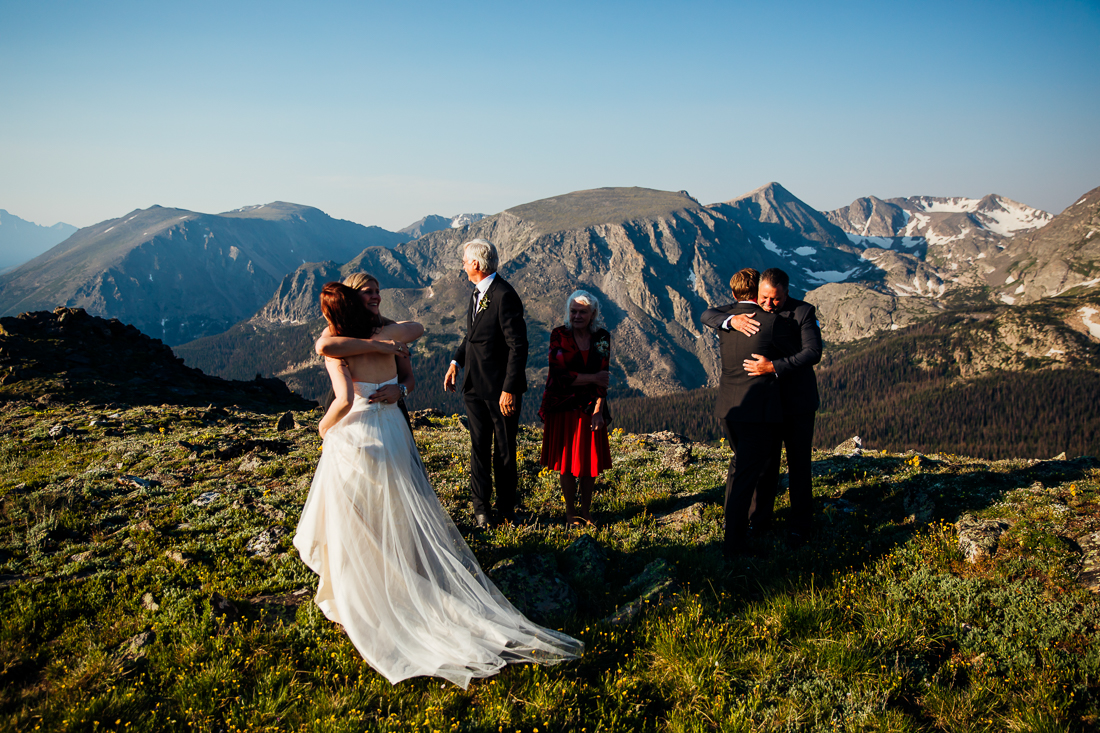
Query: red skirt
570 446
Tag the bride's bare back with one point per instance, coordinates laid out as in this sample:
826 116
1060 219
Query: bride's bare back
378 368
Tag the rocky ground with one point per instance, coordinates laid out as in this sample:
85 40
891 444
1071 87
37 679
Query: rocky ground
148 578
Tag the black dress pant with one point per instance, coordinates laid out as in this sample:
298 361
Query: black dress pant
492 452
753 443
797 436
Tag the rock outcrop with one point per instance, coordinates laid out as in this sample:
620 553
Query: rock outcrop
68 353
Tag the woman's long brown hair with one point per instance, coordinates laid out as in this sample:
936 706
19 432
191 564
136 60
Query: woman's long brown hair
345 311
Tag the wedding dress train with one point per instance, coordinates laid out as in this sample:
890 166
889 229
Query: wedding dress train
394 570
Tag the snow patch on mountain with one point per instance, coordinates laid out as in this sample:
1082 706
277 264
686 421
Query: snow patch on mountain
1014 219
946 205
1087 284
916 224
771 246
1086 317
462 220
993 213
942 220
830 276
920 287
865 241
941 239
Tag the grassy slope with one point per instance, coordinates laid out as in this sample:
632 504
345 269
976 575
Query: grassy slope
581 209
878 624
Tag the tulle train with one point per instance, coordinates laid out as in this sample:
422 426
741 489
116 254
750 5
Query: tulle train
394 570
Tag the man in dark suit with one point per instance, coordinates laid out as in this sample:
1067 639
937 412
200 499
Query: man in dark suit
798 386
749 406
494 355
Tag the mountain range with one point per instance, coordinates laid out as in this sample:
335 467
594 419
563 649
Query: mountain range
178 275
20 240
656 259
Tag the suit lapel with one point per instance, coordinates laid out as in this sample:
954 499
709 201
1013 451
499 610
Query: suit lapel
486 301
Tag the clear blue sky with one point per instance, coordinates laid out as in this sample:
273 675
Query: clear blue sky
384 112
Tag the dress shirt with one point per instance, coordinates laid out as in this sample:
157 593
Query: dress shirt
726 323
480 288
479 293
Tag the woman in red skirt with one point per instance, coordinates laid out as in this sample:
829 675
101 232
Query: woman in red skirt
574 405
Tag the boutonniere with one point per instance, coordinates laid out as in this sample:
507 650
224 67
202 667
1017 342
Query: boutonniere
603 346
483 303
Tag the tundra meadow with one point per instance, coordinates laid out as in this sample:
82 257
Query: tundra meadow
148 583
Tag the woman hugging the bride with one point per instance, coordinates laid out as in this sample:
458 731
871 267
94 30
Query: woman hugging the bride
394 570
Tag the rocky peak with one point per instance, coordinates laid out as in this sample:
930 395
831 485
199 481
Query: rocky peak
870 217
600 206
276 211
1061 257
938 219
434 223
774 213
296 300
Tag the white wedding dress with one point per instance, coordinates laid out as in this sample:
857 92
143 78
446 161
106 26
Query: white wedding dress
394 570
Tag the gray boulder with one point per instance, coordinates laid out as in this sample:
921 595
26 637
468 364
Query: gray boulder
690 514
653 585
265 543
286 422
677 457
851 447
533 584
586 561
978 537
1090 566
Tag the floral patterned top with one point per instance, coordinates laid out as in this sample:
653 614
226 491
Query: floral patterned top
566 362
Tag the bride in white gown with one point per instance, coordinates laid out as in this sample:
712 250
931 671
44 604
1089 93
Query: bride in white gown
394 570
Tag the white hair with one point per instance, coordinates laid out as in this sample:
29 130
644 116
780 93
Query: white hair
585 298
484 253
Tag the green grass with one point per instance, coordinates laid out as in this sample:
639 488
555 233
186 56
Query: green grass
878 624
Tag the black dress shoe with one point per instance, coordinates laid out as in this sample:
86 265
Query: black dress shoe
482 521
